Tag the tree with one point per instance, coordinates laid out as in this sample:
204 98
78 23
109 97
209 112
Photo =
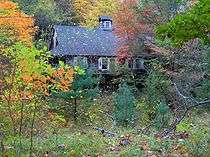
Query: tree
84 86
15 23
189 25
126 28
183 35
124 103
197 27
163 116
156 86
81 8
88 11
136 20
26 83
51 12
156 12
99 8
48 13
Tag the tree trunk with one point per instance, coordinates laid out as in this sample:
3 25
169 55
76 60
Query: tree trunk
21 124
75 110
32 129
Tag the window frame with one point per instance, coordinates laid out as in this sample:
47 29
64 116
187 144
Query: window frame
100 64
75 61
141 61
78 59
107 26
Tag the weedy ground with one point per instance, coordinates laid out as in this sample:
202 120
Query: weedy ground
192 139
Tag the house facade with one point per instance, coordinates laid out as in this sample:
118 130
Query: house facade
96 48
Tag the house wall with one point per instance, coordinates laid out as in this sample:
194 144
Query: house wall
93 62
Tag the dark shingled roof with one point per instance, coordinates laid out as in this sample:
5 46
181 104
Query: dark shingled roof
105 18
73 40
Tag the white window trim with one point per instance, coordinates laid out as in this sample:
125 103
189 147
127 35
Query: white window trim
100 64
75 61
84 60
105 24
55 39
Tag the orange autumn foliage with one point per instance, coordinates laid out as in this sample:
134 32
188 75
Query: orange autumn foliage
126 27
129 27
60 79
12 19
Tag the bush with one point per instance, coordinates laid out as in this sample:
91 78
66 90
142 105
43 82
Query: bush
162 118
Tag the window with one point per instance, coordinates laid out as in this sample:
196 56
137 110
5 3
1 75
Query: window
139 63
107 24
75 62
68 60
80 61
130 64
103 63
84 61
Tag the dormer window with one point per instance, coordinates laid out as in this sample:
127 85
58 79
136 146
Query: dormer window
105 22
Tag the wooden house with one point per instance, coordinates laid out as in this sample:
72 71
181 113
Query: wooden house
96 48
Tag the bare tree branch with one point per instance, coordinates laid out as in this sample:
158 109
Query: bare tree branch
179 118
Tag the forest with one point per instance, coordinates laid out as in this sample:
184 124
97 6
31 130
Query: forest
62 110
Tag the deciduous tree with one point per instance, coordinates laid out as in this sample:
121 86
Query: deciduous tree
126 28
195 23
25 82
99 8
81 8
84 86
16 23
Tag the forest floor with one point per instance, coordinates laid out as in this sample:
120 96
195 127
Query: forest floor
192 139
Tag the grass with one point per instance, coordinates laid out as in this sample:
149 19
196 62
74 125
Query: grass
84 141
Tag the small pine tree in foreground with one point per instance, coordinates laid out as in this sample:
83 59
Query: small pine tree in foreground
124 102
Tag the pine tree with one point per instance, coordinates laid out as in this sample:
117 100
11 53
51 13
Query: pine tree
124 105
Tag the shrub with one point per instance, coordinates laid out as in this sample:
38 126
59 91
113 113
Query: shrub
162 118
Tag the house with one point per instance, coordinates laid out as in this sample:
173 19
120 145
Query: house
95 48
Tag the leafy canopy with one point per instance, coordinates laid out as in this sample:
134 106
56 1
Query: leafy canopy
99 8
84 85
16 23
88 11
33 73
192 24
